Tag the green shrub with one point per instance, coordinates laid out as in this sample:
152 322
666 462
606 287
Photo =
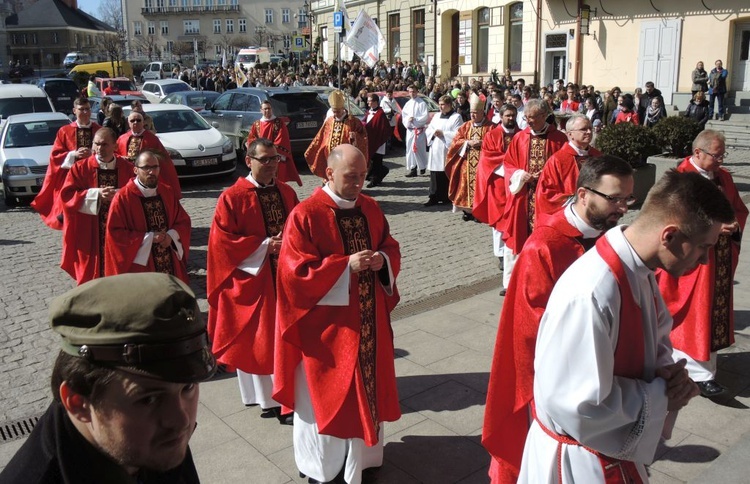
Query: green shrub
633 143
675 134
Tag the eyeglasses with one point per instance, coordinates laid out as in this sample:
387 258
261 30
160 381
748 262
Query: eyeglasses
715 157
148 168
585 130
629 200
266 160
138 120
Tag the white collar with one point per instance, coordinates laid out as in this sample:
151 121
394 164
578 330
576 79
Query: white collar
540 133
578 150
265 120
255 182
106 165
133 133
147 192
341 202
571 215
83 125
707 174
508 131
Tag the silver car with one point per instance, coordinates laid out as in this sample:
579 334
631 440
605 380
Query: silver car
25 144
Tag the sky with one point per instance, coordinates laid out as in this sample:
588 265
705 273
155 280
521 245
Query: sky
91 7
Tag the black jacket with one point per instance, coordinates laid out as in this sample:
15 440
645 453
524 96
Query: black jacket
698 112
56 452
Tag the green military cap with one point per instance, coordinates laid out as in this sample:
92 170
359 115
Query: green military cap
148 324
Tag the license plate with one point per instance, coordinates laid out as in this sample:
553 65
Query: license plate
63 99
39 182
206 162
307 124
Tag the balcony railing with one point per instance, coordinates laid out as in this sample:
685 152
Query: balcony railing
189 9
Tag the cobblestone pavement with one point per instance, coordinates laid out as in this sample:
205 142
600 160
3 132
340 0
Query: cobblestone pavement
440 253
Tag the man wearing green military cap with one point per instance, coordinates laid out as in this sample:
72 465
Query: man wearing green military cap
125 385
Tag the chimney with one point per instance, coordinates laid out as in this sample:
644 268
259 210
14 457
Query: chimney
71 3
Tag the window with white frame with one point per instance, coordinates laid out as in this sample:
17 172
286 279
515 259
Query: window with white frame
197 3
192 26
242 24
184 3
221 2
287 42
301 18
137 28
151 28
218 50
230 26
234 2
210 3
172 3
269 15
164 24
55 38
217 25
285 15
170 45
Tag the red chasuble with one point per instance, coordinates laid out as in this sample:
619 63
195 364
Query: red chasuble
558 180
548 252
128 224
130 147
462 170
242 307
47 202
83 234
326 339
701 301
276 131
529 153
378 131
490 196
330 135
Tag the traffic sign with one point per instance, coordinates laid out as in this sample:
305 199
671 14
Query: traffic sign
338 21
298 43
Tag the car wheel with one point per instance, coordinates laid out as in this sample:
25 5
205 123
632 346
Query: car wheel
9 201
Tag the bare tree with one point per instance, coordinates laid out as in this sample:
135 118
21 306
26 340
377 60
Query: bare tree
112 44
147 43
182 48
240 42
110 12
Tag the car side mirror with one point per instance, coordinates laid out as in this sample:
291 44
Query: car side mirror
214 123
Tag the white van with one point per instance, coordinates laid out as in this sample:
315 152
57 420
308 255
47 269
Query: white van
23 99
158 70
251 56
72 59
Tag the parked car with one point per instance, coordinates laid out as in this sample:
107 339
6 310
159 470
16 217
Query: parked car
123 101
158 70
401 98
237 109
157 90
122 84
198 100
61 91
23 99
196 148
25 144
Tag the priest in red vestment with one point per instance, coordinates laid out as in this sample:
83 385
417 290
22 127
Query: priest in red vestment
378 133
138 140
334 345
490 196
557 182
88 191
463 157
548 252
341 128
523 163
273 128
701 301
72 143
243 255
148 230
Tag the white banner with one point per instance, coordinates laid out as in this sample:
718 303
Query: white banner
365 39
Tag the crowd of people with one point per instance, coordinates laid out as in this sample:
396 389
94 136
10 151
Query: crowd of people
300 292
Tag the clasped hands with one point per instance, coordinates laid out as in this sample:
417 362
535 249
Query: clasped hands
163 239
366 259
680 388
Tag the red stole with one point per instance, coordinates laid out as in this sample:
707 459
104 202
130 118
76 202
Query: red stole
629 363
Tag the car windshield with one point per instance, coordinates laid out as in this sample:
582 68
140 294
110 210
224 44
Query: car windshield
176 87
176 121
61 88
296 102
24 105
33 133
123 85
246 58
199 101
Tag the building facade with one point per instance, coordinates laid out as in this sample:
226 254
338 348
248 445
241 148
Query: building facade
464 38
204 30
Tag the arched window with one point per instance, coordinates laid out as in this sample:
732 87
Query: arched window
515 36
483 39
